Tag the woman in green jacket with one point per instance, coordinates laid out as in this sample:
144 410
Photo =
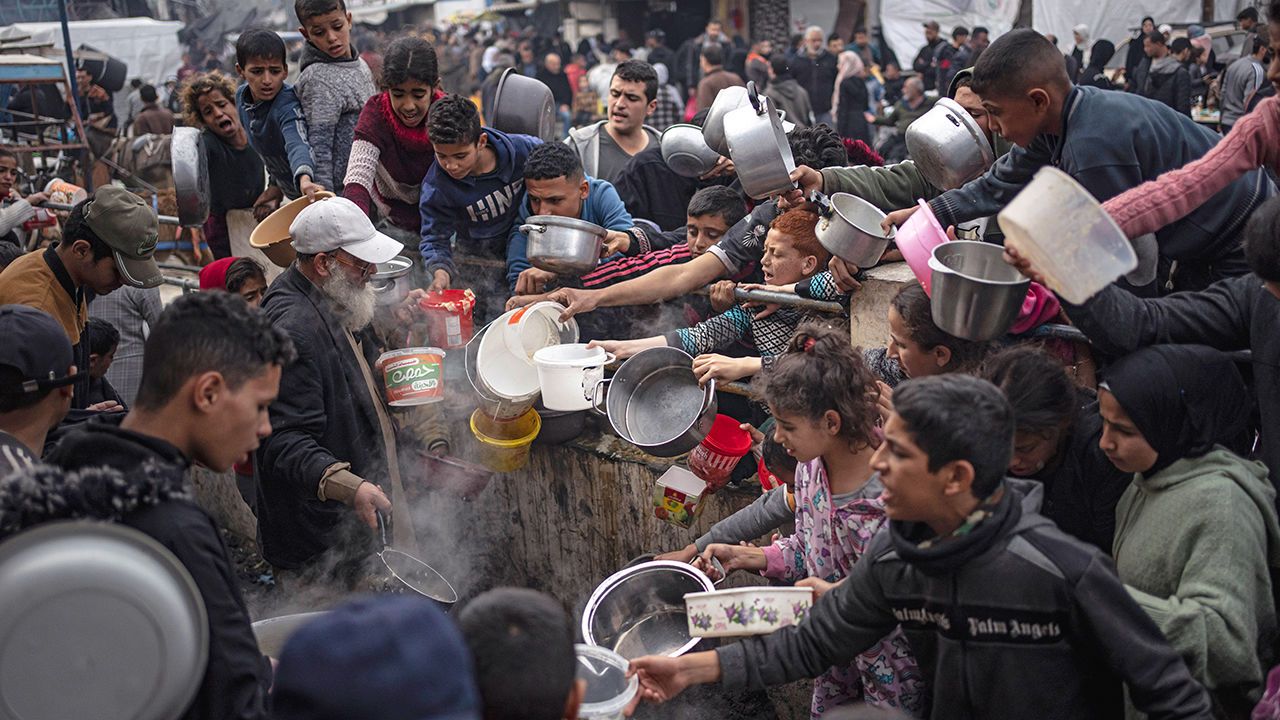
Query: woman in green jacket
1197 540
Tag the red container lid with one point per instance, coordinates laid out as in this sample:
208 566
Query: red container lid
727 438
462 300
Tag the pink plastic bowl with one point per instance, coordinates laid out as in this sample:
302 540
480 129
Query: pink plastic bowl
916 239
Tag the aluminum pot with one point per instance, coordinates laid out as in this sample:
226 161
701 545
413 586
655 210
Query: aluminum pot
564 246
759 148
559 426
190 165
730 98
948 146
273 633
654 402
639 610
524 105
849 228
975 294
686 152
392 282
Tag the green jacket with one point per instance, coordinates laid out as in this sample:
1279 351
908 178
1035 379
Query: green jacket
903 115
1195 545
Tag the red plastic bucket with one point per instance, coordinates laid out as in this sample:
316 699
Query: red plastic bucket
715 457
448 317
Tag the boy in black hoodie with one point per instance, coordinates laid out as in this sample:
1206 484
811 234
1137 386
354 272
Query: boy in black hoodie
1008 616
211 368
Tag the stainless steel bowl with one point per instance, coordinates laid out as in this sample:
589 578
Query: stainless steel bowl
523 105
686 152
564 246
391 283
948 146
640 610
654 402
730 98
975 294
850 229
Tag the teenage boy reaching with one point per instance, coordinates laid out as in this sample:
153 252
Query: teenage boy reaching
270 111
1008 616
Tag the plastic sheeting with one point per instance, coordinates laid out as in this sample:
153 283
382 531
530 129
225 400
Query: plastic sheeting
902 20
1115 20
149 47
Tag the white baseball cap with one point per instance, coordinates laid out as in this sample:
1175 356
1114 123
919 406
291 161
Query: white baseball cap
337 223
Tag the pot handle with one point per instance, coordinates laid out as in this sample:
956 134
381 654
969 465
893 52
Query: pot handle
593 376
526 229
597 393
710 395
817 197
754 96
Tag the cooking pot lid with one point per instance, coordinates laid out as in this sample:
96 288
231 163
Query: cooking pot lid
567 223
97 620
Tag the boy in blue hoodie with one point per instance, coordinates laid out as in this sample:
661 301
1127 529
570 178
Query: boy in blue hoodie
270 111
555 184
333 86
473 190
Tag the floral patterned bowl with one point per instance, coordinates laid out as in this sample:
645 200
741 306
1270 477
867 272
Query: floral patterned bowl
745 611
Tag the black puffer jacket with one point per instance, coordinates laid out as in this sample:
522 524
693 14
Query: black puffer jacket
139 481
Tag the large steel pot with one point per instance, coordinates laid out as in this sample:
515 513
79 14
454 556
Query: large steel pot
974 293
524 105
686 152
564 246
190 164
392 282
849 228
654 402
759 148
97 620
728 99
639 610
948 146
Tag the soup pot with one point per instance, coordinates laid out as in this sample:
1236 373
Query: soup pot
391 283
524 105
976 295
654 402
759 148
640 610
686 152
730 98
948 146
190 165
849 228
564 246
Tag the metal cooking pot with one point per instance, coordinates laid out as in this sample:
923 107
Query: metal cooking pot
654 402
974 293
639 610
97 620
850 228
564 246
524 105
759 148
190 165
948 146
273 633
392 283
686 152
730 98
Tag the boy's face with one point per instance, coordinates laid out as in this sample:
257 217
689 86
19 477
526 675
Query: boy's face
559 196
265 77
99 364
916 360
330 32
804 438
236 419
460 159
627 105
251 290
218 113
703 231
8 175
911 492
1019 118
410 101
101 275
782 263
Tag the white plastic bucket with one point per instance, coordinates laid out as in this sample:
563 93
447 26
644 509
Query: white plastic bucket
609 690
568 375
527 330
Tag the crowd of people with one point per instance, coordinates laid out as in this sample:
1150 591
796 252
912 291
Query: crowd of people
1007 529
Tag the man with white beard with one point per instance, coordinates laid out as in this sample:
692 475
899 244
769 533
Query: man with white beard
334 442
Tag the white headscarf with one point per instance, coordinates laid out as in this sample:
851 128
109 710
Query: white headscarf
849 64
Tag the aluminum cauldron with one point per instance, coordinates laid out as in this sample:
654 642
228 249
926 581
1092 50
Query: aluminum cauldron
849 228
654 402
639 610
759 147
948 146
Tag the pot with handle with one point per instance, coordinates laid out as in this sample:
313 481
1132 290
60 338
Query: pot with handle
759 148
849 228
948 146
564 246
655 403
190 164
523 105
412 572
727 100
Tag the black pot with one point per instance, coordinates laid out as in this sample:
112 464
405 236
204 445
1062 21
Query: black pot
559 426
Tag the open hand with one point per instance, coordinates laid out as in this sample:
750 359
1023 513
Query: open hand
106 406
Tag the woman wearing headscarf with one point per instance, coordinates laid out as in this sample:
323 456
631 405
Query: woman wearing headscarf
1080 52
849 101
1094 74
1135 58
1197 540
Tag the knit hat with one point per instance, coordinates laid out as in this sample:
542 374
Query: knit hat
391 658
214 275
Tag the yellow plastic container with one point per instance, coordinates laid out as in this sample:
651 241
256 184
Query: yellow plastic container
505 444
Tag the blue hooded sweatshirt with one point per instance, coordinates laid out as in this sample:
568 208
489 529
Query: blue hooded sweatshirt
278 131
479 208
603 207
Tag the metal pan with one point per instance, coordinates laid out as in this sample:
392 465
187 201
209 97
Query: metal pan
412 572
190 166
654 402
523 105
759 147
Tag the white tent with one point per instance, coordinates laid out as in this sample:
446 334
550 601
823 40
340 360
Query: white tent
902 20
149 47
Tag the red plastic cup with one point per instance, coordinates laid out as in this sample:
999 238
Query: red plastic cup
448 317
715 457
768 480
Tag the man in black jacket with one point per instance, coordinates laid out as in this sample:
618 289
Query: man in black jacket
212 367
816 70
1007 616
333 439
923 64
1168 80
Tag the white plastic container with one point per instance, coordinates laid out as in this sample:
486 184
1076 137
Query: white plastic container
504 359
1057 225
529 329
609 690
568 375
746 611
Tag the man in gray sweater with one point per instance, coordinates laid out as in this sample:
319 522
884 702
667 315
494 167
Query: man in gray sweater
1242 79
